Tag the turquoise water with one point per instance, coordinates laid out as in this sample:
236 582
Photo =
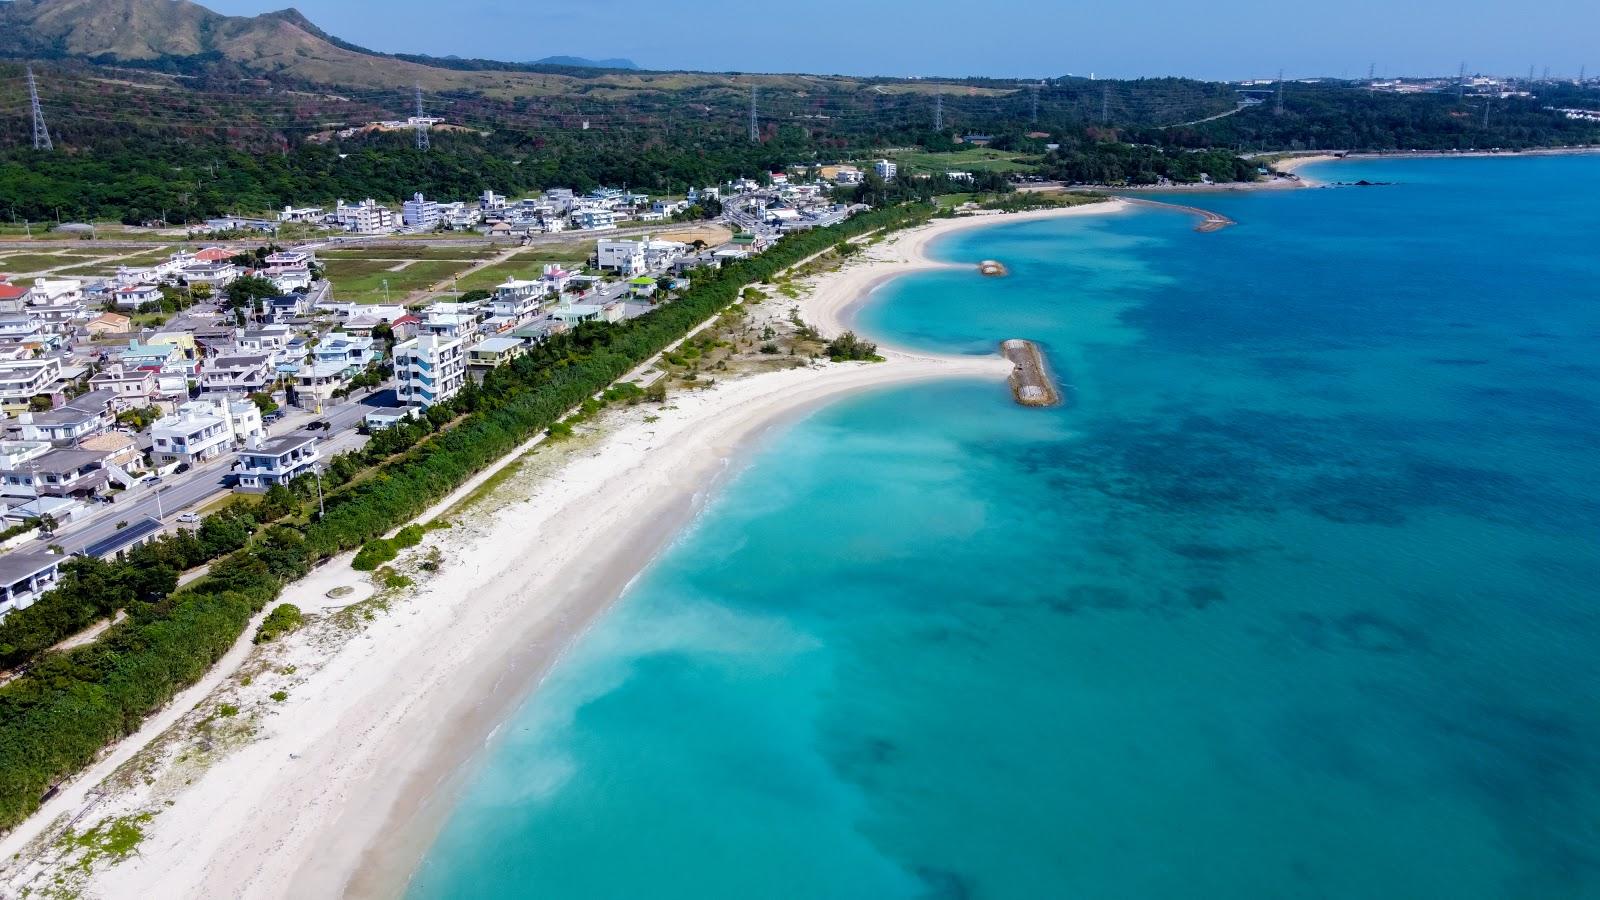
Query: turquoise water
1297 598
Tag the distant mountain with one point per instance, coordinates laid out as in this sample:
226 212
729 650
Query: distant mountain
182 34
579 62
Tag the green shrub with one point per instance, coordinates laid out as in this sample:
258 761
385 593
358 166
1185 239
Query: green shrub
279 696
283 619
373 554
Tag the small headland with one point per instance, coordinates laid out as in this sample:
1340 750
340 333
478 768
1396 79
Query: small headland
1030 383
992 268
1209 221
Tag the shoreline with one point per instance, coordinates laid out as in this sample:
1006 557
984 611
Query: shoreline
343 786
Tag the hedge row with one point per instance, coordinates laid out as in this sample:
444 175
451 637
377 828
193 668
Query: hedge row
69 706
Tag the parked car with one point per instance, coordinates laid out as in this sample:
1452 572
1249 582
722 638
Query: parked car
182 468
189 518
318 425
150 480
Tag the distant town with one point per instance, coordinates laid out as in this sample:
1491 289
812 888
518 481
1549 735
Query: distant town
134 400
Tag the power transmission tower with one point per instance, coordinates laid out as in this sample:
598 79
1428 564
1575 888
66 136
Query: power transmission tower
938 111
1461 82
1105 103
1372 68
1486 104
1583 75
1034 115
423 141
1278 104
41 134
1530 74
755 126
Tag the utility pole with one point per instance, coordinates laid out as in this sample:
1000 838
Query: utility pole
938 111
422 127
1278 107
41 134
755 126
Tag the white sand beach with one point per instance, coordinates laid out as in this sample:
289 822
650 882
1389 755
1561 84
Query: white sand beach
337 788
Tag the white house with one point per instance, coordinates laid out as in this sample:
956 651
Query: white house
420 213
204 429
24 577
23 379
278 461
133 296
622 257
885 169
429 369
366 217
595 219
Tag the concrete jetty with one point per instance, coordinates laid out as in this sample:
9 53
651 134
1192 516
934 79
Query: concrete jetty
1030 381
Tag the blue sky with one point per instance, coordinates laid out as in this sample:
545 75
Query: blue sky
1010 38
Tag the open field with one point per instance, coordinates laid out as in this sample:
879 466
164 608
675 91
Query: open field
361 280
476 251
977 159
26 263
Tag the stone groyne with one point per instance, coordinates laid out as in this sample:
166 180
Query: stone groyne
1209 221
1030 381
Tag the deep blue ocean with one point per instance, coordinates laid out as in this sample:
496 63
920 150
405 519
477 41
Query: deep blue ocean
1299 597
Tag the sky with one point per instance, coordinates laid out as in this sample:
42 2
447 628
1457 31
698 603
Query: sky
1213 39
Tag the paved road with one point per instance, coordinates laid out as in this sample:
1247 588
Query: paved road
177 493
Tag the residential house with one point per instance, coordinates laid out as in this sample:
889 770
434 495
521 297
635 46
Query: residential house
622 257
121 450
352 351
77 418
571 314
23 379
492 352
25 577
429 369
277 461
595 219
134 387
421 213
109 323
217 274
315 383
302 214
885 169
240 372
366 217
58 473
204 429
134 296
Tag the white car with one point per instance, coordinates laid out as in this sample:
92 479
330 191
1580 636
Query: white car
189 518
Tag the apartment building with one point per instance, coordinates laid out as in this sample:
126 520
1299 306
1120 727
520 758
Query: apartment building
429 369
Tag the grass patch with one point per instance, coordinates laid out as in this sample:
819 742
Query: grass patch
361 280
283 619
112 840
393 254
976 159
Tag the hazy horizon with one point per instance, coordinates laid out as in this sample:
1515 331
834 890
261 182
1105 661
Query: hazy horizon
1234 39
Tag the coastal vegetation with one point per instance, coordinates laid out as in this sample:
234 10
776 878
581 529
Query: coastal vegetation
848 347
57 716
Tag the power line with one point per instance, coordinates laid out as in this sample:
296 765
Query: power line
41 134
755 124
423 142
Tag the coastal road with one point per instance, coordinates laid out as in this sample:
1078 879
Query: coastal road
208 480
